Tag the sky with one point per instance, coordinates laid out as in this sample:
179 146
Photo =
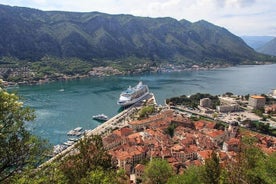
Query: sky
241 17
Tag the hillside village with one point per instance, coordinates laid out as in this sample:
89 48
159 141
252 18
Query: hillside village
175 137
184 136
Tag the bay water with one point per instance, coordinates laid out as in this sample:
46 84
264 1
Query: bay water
64 105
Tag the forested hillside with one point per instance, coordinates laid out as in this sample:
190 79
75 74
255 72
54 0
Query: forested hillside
31 34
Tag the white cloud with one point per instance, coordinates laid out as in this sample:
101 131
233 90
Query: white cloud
242 17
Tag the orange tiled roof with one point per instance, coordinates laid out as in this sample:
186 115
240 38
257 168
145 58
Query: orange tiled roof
199 124
257 97
210 125
125 131
140 167
223 155
205 154
193 162
233 141
215 133
194 147
204 124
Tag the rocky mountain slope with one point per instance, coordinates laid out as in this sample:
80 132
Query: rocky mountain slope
31 34
269 48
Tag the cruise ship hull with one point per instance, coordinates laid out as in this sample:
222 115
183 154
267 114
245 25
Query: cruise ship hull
133 95
131 102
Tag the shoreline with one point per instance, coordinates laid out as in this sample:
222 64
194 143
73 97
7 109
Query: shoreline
119 120
172 68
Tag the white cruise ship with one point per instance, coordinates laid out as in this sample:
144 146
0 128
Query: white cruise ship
133 94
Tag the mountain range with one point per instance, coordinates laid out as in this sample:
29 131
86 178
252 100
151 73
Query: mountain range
269 48
31 34
257 41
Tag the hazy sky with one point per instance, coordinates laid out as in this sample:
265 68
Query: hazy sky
241 17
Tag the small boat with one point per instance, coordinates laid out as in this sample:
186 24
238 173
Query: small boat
78 129
68 143
58 148
75 132
100 117
73 139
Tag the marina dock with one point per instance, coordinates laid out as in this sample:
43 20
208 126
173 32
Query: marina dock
118 121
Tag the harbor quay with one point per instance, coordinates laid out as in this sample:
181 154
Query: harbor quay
118 121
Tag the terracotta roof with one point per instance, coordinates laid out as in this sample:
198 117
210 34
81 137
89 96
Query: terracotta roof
233 141
215 133
257 97
204 124
134 135
177 147
210 125
193 162
128 151
125 131
205 154
140 167
199 124
194 148
223 155
171 160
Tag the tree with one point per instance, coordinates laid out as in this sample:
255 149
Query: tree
146 111
270 168
191 175
18 148
99 176
212 170
170 129
251 165
158 171
91 156
46 175
229 94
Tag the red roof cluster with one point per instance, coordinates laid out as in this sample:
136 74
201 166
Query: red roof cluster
192 143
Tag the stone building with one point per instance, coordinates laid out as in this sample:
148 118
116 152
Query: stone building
256 102
205 102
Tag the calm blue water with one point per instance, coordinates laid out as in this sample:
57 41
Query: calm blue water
59 111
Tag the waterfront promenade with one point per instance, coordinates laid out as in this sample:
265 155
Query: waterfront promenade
118 121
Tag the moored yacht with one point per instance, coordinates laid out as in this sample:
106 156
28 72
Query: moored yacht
133 94
100 117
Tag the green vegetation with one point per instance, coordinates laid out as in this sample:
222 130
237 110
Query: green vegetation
220 125
170 129
259 126
91 157
212 170
21 153
193 100
158 171
29 34
146 111
48 67
19 150
191 175
91 164
252 166
259 112
54 67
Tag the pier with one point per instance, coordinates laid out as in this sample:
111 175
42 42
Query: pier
118 121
